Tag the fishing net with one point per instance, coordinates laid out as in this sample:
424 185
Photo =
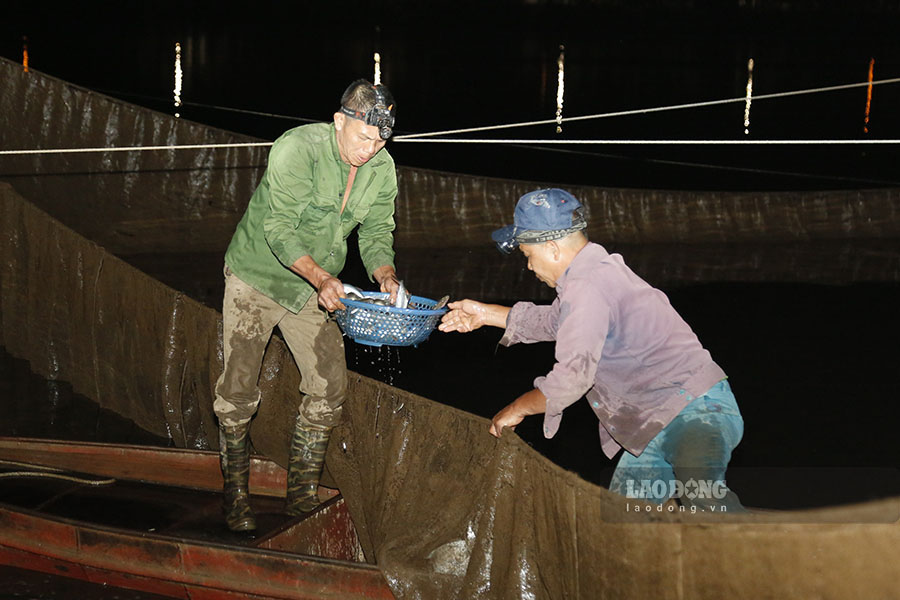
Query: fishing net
444 509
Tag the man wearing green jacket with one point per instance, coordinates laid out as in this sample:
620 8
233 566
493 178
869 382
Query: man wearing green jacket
281 269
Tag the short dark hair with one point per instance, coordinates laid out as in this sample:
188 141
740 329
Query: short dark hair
360 96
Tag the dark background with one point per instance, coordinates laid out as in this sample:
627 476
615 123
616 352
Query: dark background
810 364
466 63
813 366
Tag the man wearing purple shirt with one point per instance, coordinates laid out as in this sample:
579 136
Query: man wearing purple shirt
655 390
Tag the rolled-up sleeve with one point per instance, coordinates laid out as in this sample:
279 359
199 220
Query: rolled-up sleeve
289 179
376 237
528 323
584 318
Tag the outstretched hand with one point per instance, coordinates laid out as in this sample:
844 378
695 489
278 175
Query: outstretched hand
464 316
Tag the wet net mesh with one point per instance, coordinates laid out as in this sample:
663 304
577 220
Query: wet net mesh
444 509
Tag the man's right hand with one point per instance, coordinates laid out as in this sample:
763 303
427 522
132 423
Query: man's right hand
331 290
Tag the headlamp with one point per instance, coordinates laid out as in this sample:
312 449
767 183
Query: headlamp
508 246
381 115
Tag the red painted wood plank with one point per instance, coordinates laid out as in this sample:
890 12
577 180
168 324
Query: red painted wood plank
198 469
21 559
284 575
25 532
133 582
138 555
72 570
165 567
328 532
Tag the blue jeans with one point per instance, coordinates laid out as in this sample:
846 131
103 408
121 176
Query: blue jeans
688 458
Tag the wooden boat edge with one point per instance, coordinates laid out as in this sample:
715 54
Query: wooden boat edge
161 564
158 562
197 469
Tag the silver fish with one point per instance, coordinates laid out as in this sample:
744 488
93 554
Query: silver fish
402 300
441 303
353 292
369 300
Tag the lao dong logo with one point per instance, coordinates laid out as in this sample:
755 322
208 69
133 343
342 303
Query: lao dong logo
692 489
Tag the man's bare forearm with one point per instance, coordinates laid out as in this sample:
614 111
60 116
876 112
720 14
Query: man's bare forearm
310 270
330 290
533 402
495 315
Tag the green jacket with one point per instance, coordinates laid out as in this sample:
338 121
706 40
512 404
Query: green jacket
295 211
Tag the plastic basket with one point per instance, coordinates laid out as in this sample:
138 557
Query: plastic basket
375 325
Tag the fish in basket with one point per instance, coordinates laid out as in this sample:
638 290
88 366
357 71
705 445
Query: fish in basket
370 319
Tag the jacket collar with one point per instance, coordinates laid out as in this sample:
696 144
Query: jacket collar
584 256
373 162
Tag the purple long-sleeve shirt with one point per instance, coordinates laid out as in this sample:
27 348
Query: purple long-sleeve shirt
619 341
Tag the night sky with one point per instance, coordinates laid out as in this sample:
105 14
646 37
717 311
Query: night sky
468 64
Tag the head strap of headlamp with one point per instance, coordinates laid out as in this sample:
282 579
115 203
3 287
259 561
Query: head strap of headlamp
525 236
538 237
381 115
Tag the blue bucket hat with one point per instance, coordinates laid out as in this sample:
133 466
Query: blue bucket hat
541 216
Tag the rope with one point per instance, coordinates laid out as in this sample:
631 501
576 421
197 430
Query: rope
653 142
468 141
420 137
91 482
245 111
135 148
640 111
16 463
48 473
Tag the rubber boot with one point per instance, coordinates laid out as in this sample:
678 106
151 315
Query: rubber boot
305 462
234 456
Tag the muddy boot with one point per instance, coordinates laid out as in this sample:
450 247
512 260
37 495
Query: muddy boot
234 456
305 463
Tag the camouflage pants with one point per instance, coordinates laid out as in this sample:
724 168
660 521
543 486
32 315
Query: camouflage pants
249 317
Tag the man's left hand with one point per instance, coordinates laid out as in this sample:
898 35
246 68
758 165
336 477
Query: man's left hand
509 417
529 403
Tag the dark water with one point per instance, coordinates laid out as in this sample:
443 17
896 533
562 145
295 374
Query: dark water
37 407
813 368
